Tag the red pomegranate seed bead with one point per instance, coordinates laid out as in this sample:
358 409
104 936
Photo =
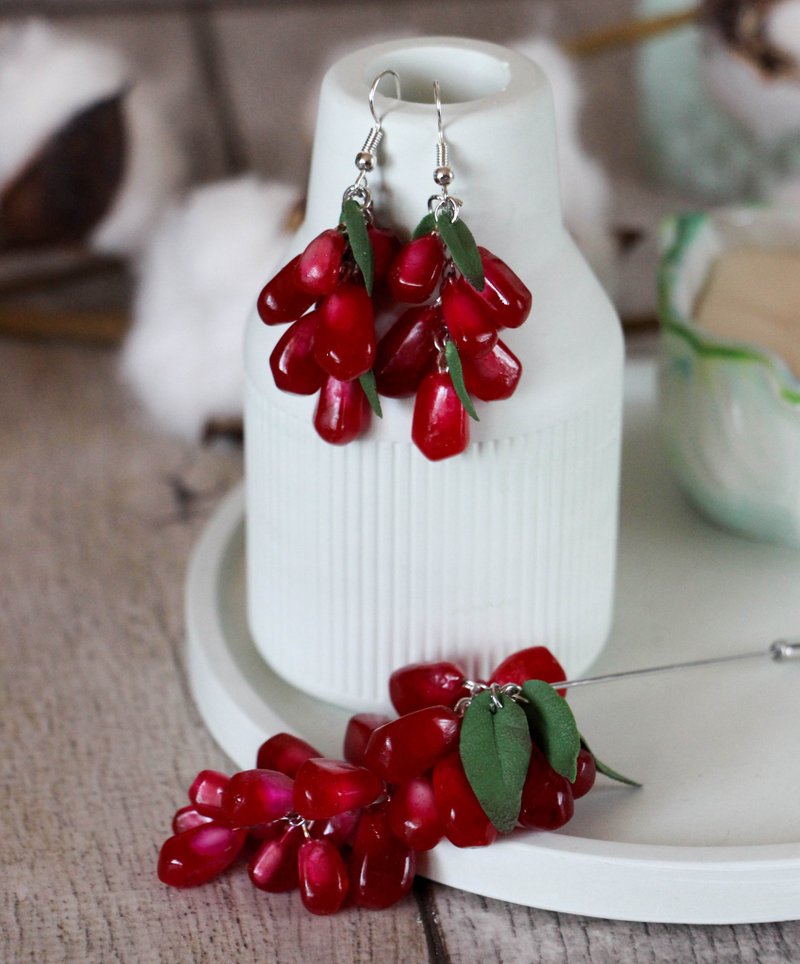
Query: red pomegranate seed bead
467 318
198 855
439 427
342 412
535 662
585 777
340 829
464 822
318 267
187 817
505 294
547 802
359 730
327 787
382 867
418 685
206 792
292 361
415 272
266 831
493 376
281 300
345 341
411 744
385 247
413 817
284 753
273 867
257 796
322 875
407 351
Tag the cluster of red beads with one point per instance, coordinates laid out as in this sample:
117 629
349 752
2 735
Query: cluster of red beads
349 830
331 341
410 356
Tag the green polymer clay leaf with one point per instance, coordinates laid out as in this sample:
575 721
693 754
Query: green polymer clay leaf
355 225
463 249
425 226
457 377
607 771
495 750
552 726
367 381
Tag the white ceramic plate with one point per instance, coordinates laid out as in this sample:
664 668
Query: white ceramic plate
714 834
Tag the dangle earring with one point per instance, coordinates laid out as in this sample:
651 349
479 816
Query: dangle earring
446 350
326 293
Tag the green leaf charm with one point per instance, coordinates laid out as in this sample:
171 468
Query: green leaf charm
425 226
495 749
553 727
607 771
463 249
457 377
367 381
355 224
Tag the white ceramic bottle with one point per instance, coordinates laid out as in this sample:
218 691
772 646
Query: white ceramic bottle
366 557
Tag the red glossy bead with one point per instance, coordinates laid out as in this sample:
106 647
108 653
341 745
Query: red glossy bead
317 269
285 753
273 867
505 294
492 376
535 662
381 866
325 787
359 730
415 272
342 412
468 320
463 820
187 817
281 300
267 831
257 796
439 427
547 802
340 829
426 684
585 777
411 744
198 855
292 361
413 816
206 792
322 875
407 351
344 345
385 247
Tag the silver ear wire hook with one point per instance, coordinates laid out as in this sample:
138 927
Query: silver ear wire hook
443 175
365 159
374 90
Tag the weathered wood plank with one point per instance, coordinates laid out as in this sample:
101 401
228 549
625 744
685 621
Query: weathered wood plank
100 738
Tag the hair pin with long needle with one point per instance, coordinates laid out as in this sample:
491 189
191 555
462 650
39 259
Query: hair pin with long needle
780 651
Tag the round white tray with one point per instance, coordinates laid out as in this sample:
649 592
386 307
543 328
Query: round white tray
714 834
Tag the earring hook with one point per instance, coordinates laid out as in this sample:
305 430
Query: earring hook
374 89
437 99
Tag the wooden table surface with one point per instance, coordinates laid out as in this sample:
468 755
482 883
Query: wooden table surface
101 738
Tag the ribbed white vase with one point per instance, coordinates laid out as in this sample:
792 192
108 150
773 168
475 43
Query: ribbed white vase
367 557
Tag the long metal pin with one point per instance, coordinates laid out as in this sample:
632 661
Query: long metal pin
781 649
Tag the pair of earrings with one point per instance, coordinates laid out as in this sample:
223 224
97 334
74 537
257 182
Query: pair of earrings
444 349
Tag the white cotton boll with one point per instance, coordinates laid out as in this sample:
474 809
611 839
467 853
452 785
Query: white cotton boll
585 187
47 77
200 275
782 27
